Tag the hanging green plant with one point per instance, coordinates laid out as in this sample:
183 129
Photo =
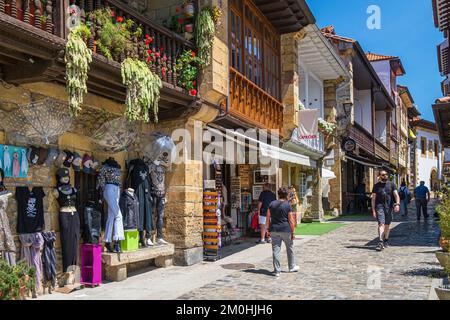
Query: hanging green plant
204 35
326 127
77 58
188 65
143 90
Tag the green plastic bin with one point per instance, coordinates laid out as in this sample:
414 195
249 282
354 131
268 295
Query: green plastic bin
131 242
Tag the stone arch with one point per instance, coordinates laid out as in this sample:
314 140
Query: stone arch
434 179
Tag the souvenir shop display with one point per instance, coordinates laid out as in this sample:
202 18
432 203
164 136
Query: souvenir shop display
62 156
129 206
30 209
161 154
77 162
41 121
211 225
138 180
37 155
49 261
7 245
115 135
13 161
109 182
69 219
32 244
52 155
92 222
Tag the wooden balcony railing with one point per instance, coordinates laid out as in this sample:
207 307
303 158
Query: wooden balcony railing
252 104
34 13
52 18
382 151
362 137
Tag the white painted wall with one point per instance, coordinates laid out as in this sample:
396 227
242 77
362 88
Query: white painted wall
363 108
425 164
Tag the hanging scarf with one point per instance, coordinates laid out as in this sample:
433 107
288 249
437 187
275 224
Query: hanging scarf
31 247
24 165
49 257
6 238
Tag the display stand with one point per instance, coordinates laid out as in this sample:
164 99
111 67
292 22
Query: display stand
91 264
211 226
131 242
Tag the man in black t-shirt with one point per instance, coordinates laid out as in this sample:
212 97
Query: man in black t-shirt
385 200
265 199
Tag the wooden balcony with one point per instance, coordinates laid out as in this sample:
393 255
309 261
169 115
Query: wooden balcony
382 151
32 49
363 138
250 103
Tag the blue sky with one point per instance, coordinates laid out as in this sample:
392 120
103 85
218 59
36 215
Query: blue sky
407 30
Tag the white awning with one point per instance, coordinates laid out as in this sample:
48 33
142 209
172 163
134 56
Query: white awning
267 150
277 153
328 174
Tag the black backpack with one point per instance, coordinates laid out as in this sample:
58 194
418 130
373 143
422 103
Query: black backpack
402 193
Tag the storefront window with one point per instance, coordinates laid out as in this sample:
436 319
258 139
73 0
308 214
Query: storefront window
302 190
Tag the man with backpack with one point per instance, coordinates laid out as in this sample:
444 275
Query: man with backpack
405 198
385 201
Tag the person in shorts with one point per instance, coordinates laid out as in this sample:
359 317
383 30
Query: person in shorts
265 199
385 201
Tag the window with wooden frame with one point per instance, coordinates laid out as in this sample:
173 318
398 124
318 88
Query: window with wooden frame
436 149
255 46
423 146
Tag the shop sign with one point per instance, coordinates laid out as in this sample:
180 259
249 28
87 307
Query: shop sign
244 174
308 126
260 176
349 145
13 161
257 191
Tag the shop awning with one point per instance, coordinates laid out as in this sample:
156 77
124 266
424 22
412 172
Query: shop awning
412 135
328 174
267 150
277 153
364 162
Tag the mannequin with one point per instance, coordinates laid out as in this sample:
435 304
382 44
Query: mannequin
109 181
138 179
129 206
69 220
92 221
157 170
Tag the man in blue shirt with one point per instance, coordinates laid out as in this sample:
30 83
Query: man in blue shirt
422 195
265 199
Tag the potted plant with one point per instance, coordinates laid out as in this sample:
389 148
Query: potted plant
16 282
443 209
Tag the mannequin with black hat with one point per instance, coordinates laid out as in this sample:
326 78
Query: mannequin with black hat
69 220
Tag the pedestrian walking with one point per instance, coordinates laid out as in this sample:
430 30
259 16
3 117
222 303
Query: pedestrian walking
405 198
281 223
422 196
265 198
385 201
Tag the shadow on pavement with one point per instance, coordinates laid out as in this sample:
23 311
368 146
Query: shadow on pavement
259 271
435 273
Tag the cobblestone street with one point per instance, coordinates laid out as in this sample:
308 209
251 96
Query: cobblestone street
344 265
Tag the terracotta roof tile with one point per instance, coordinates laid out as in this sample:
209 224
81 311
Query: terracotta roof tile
378 57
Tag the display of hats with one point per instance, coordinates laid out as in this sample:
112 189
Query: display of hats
51 156
69 158
33 155
87 163
62 172
43 153
60 159
95 165
77 162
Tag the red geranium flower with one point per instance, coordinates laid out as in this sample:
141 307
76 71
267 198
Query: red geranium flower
194 83
149 59
180 20
161 49
165 58
147 36
193 92
163 70
112 13
157 54
193 54
119 19
149 51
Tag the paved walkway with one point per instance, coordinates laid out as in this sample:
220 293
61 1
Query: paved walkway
340 265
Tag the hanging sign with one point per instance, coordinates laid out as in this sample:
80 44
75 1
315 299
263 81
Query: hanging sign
349 145
308 126
13 161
